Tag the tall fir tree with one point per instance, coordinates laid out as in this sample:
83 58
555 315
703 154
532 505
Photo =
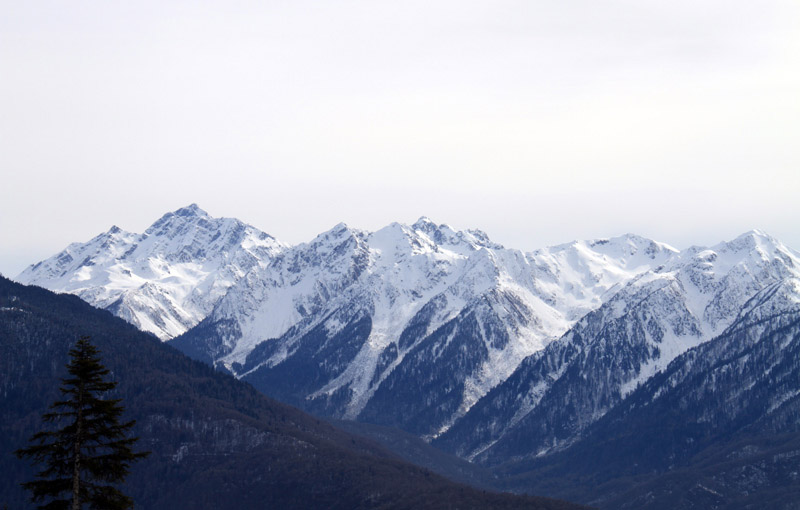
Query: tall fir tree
91 452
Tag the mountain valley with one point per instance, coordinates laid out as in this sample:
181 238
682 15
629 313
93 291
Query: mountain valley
525 363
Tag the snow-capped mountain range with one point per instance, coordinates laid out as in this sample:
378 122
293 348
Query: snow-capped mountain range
394 293
165 280
558 392
489 351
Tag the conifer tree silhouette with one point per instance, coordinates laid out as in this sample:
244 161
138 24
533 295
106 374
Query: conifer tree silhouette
91 451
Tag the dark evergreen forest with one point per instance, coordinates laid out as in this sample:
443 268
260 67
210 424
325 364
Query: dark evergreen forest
216 442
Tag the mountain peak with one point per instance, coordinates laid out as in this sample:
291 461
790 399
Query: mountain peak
154 280
755 232
190 210
752 240
338 233
445 234
424 222
339 230
753 235
182 216
425 225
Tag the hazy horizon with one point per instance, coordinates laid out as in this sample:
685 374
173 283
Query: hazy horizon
408 222
536 122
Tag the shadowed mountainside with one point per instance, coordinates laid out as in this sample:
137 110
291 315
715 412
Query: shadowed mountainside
216 442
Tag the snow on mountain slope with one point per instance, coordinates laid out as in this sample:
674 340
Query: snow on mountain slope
723 414
580 276
556 393
394 292
165 280
491 352
716 283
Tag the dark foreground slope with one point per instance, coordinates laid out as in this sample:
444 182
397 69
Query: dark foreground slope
216 442
416 451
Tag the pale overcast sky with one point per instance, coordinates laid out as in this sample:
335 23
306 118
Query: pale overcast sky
537 121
